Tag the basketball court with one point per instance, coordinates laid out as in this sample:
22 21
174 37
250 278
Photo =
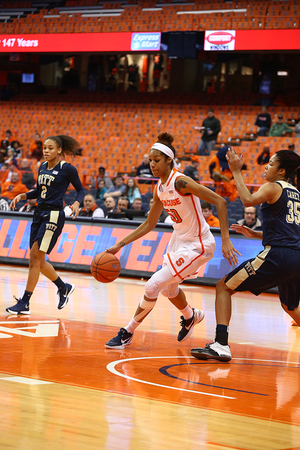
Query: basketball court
60 387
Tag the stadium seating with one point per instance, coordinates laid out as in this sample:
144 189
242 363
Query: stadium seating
91 16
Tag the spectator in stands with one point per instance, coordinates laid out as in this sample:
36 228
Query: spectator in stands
3 150
10 159
8 137
101 189
164 217
191 170
30 206
280 128
297 130
4 206
117 189
110 204
16 146
90 208
137 204
38 151
106 178
263 122
11 189
123 203
132 191
144 171
33 146
4 171
26 172
208 215
210 129
224 187
218 163
264 157
251 219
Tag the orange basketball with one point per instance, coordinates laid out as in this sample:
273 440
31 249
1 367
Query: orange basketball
105 267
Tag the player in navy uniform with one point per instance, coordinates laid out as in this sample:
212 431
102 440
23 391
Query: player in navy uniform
53 180
278 264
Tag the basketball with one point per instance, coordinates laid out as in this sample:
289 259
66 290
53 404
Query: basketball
105 267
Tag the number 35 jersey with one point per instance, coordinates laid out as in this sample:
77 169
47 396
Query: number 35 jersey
184 210
281 220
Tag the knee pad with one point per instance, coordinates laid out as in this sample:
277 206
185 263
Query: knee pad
152 289
170 291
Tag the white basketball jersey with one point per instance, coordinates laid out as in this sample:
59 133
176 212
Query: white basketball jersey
184 210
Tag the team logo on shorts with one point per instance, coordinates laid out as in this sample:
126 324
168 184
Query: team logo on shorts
249 269
51 227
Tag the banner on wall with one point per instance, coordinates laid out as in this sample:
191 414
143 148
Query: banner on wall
229 40
80 42
82 239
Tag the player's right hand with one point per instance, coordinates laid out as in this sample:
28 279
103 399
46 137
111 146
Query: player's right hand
14 202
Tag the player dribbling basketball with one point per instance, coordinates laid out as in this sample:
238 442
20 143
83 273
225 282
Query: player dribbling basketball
191 244
53 180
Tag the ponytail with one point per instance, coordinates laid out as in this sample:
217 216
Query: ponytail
68 145
290 162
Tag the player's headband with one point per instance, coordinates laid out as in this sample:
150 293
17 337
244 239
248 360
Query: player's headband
166 150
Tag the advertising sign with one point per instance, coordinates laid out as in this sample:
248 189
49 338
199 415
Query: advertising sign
82 239
219 40
229 40
145 41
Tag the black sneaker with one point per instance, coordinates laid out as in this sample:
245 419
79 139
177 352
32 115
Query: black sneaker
188 324
213 351
64 294
19 308
122 339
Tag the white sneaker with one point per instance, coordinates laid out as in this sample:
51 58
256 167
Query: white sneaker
213 351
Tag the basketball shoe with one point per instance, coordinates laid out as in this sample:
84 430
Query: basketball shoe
64 294
122 339
213 351
19 308
188 324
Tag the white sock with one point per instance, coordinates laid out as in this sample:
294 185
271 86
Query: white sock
132 326
187 312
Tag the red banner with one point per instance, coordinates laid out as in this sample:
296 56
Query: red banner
230 40
66 42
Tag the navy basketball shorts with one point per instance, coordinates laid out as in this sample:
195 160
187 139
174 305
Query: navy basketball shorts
274 266
46 229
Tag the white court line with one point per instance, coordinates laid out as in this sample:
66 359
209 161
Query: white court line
30 321
24 380
111 368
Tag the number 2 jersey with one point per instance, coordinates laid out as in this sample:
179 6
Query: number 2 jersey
281 220
52 184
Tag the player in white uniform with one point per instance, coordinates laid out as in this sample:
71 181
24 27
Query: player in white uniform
191 244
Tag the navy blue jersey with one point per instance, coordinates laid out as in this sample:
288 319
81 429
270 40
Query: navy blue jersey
281 220
53 184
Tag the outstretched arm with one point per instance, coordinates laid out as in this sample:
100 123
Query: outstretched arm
242 229
269 192
143 229
185 185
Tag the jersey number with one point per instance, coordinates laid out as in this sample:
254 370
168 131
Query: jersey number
174 215
294 212
44 192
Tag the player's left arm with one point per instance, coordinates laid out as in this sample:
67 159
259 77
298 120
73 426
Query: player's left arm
185 185
269 192
74 179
